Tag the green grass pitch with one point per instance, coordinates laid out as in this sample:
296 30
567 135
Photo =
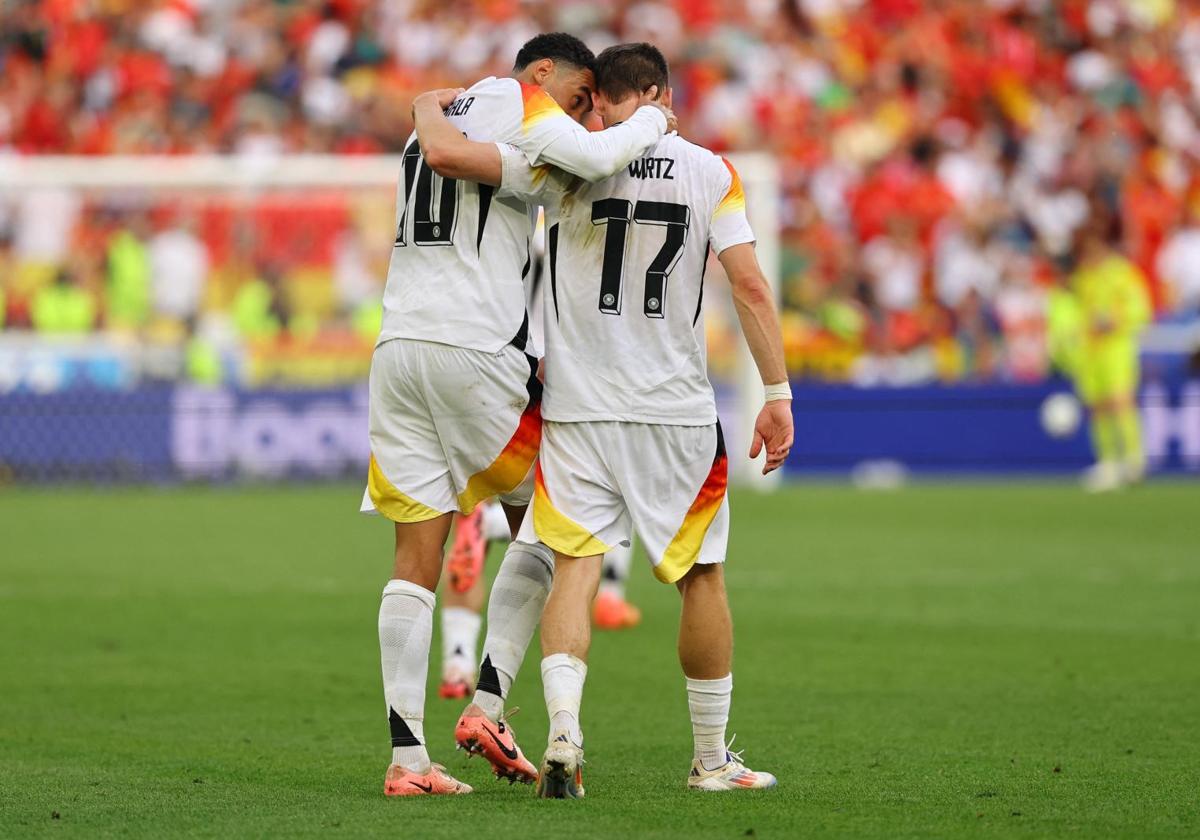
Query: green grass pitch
945 661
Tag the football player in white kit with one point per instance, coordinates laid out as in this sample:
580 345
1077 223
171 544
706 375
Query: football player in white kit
631 438
454 400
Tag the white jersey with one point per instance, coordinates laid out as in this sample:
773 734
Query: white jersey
462 251
625 283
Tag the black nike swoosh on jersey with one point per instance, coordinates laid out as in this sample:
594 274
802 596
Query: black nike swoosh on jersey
426 788
509 753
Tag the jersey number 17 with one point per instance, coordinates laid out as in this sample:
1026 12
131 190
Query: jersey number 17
617 213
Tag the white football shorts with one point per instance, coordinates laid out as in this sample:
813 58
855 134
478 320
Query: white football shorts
597 482
450 427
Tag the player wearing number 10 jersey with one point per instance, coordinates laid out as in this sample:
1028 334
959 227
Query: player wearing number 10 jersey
631 438
454 403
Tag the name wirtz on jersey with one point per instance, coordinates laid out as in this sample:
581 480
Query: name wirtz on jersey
652 167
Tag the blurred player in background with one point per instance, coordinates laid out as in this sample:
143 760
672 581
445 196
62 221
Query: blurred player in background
612 611
1093 326
454 398
631 436
466 593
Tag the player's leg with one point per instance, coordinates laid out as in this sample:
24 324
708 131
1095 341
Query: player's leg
493 429
1129 431
462 612
514 609
686 541
566 638
405 632
408 482
611 610
468 550
1093 385
577 512
461 622
1124 376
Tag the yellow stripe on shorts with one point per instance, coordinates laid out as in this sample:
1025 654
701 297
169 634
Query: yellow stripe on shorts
556 530
684 548
391 502
511 466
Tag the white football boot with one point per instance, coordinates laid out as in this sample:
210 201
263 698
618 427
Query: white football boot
561 775
732 775
1102 477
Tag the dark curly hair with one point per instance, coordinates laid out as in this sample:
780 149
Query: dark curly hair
557 46
631 68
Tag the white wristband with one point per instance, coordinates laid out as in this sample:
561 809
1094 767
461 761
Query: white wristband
778 391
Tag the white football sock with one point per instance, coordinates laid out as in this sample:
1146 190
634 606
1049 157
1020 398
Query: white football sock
562 683
615 570
495 523
514 610
708 702
405 633
460 635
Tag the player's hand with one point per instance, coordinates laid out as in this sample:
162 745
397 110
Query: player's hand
773 430
443 96
650 97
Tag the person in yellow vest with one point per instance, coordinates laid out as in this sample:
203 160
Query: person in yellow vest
128 292
1111 307
63 307
256 309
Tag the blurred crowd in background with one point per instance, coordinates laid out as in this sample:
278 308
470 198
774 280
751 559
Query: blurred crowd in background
938 159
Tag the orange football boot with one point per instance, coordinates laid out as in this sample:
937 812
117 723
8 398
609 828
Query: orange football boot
455 687
496 742
468 551
612 612
401 781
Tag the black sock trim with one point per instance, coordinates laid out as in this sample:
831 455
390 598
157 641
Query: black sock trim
489 680
402 736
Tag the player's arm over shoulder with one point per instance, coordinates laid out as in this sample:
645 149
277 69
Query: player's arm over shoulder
446 150
547 135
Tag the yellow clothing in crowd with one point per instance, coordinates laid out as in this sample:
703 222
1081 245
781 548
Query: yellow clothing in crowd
63 309
1093 328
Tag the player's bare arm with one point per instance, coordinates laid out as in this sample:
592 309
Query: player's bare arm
755 306
446 149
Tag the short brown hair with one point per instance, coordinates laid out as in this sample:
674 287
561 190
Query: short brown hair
631 68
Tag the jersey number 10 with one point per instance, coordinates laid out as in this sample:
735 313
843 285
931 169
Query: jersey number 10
617 213
427 229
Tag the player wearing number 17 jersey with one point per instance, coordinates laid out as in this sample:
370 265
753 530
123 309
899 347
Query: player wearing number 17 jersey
454 403
631 439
